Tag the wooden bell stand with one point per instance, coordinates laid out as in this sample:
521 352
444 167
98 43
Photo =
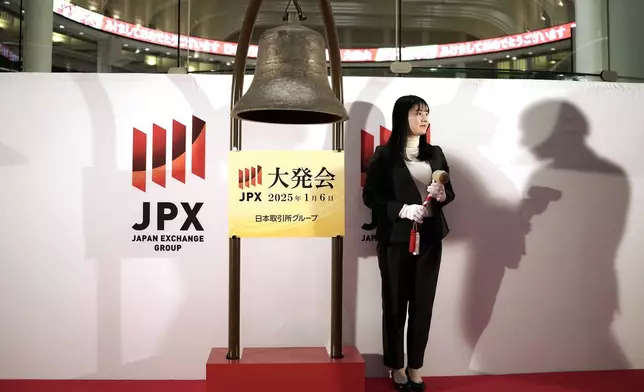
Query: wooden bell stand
310 369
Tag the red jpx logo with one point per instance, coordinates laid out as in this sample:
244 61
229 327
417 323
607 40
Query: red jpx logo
367 146
250 177
179 149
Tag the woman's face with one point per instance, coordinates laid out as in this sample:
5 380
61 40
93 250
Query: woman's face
418 120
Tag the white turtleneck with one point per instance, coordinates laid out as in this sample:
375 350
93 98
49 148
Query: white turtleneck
420 171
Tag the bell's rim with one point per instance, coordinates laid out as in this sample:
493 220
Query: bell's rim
292 109
321 117
241 107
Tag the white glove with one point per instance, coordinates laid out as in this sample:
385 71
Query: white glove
437 191
414 212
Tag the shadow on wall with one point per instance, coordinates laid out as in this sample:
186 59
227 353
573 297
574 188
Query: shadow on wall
100 225
555 313
357 247
549 233
366 116
491 225
11 157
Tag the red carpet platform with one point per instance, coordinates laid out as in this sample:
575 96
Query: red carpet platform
617 381
277 369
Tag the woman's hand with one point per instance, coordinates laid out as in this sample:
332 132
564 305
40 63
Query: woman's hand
437 191
415 212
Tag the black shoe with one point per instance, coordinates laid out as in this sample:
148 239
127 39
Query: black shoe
414 386
399 387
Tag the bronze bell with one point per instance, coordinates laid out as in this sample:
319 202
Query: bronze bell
291 84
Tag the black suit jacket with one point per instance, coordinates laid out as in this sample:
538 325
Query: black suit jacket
389 185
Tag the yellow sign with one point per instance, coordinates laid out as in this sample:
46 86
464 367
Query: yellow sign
285 194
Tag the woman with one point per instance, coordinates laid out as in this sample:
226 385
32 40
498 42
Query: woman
398 180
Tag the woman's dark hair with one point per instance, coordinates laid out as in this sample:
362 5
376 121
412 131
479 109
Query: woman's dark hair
400 128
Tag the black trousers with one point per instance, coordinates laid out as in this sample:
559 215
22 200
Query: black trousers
408 288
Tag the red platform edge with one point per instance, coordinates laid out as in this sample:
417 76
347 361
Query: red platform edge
307 369
588 381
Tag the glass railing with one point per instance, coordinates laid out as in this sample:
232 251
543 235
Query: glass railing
446 72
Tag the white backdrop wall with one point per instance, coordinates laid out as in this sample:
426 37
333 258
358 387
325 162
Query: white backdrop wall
542 271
